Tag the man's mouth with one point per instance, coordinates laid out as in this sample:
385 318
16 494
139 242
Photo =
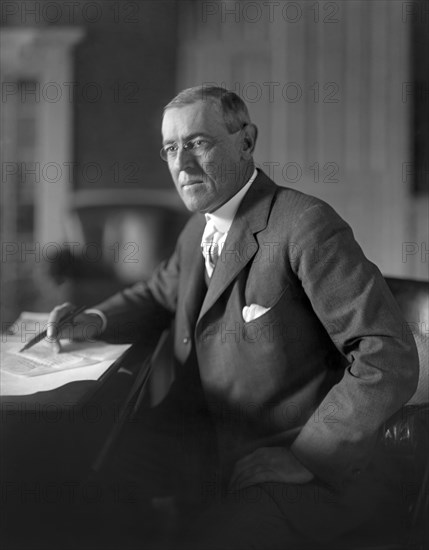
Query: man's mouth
190 183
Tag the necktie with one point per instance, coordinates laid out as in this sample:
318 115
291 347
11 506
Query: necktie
210 246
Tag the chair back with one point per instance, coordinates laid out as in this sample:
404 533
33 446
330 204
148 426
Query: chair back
413 299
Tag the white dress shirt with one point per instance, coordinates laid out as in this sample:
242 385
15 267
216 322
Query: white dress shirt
223 217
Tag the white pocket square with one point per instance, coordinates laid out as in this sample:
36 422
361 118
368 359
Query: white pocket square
252 312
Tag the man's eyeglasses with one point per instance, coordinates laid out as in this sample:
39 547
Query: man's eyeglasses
197 147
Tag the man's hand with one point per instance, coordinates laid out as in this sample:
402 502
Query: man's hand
86 326
268 464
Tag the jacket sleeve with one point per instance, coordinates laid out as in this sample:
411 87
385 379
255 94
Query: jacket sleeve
145 309
353 302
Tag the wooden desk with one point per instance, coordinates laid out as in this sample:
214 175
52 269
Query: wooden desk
57 435
50 442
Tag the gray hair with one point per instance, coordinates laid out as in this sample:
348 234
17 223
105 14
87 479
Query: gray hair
233 108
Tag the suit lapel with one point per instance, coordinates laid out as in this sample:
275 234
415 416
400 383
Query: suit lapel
241 244
196 285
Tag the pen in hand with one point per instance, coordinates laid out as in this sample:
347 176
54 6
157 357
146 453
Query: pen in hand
62 322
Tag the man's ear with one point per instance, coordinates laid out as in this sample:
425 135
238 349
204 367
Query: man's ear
250 134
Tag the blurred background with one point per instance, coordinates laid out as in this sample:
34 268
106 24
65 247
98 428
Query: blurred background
338 89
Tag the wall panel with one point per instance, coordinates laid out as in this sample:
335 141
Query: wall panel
349 130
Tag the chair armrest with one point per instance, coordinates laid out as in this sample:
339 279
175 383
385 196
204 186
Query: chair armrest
407 430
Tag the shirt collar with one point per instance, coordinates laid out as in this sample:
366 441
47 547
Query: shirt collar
223 217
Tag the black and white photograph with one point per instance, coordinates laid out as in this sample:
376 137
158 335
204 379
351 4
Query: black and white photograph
214 275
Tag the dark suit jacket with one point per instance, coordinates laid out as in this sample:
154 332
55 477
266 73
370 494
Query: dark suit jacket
321 370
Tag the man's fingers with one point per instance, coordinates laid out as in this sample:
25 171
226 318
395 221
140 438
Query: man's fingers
249 477
248 459
83 327
244 464
56 345
241 471
58 313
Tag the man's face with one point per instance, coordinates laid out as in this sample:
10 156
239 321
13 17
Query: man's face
203 181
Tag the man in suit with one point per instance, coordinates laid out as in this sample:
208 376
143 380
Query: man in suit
290 350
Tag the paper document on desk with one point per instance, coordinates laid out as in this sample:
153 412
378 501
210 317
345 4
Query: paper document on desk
40 368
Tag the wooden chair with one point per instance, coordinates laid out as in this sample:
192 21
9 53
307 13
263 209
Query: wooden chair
404 440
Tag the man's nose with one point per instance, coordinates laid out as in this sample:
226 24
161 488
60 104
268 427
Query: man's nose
184 159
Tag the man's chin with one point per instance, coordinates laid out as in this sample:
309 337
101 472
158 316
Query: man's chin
195 206
194 201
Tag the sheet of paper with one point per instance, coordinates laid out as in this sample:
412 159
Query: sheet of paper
42 359
40 368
